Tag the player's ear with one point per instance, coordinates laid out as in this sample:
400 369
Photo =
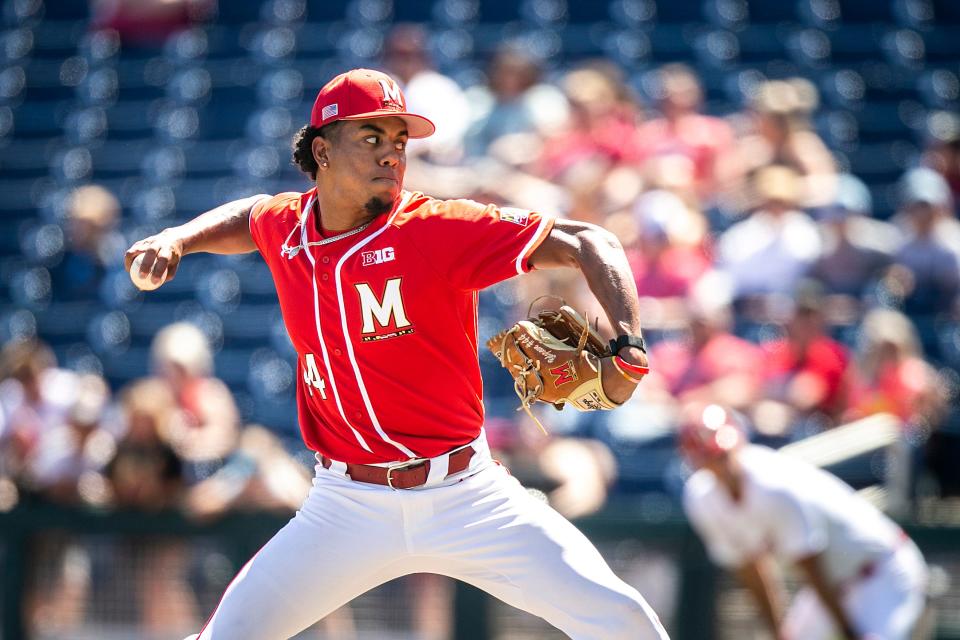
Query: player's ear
320 146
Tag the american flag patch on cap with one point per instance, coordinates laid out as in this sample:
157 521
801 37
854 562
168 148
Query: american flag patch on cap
329 111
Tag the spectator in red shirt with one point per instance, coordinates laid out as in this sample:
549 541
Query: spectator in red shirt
663 267
683 130
707 363
602 126
891 374
806 370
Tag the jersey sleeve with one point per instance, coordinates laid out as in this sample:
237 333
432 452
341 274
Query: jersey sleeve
717 539
475 245
801 531
265 210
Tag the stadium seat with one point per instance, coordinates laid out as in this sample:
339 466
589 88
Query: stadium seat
237 13
945 12
23 159
941 46
672 43
940 88
131 119
883 162
55 41
866 11
762 12
852 44
670 12
134 364
760 44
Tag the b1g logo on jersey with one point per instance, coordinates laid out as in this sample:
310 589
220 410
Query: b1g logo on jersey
564 373
383 317
514 215
378 256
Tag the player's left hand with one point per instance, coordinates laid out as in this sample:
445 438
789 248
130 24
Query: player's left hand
556 357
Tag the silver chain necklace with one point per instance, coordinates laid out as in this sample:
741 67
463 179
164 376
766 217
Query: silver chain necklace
345 234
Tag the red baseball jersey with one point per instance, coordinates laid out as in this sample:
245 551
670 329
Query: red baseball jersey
384 318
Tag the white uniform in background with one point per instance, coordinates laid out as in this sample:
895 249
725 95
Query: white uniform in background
793 510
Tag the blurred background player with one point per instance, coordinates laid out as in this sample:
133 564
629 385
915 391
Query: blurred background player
865 579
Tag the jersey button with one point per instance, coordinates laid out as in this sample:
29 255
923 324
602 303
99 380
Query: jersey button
326 259
337 352
324 277
357 415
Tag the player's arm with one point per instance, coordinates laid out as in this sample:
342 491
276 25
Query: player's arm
223 230
598 254
829 596
759 577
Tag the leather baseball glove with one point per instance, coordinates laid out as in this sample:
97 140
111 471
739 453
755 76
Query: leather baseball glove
554 357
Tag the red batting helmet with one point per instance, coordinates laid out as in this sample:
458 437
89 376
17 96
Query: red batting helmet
709 431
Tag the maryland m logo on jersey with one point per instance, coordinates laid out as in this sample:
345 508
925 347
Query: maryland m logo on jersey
384 316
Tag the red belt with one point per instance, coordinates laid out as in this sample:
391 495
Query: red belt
403 475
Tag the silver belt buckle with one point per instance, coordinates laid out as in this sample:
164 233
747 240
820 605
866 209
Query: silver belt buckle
403 465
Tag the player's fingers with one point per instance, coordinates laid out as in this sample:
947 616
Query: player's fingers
131 254
172 267
160 265
149 257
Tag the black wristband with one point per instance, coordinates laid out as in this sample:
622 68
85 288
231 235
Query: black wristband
624 340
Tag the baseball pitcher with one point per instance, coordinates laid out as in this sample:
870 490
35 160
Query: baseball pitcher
378 290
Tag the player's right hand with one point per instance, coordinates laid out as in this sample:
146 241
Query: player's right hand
163 252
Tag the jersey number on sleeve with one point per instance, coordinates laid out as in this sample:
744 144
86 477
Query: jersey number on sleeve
311 376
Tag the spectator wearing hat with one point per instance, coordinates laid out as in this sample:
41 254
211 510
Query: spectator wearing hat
75 451
207 428
514 101
783 134
92 244
708 142
773 248
663 267
943 150
602 127
705 362
438 97
35 397
891 374
926 273
856 251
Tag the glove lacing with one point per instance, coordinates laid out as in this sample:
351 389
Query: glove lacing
527 394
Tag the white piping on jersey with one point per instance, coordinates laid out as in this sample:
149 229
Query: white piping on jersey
291 252
316 312
346 336
540 227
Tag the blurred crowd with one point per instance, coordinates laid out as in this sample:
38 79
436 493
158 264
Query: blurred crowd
766 281
768 284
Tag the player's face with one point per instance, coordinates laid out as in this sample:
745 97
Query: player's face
368 161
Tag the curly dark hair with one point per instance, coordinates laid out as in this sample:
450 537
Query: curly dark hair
303 145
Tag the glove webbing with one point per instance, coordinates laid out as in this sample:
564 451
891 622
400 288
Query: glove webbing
526 394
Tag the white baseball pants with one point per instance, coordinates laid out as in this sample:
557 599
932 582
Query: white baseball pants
885 606
484 529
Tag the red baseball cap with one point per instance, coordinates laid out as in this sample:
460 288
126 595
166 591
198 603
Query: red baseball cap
360 94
